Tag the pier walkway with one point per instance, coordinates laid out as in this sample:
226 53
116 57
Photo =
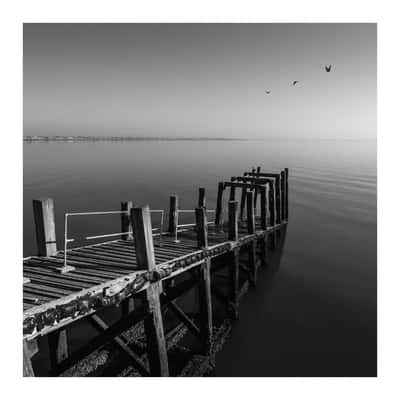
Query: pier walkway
63 286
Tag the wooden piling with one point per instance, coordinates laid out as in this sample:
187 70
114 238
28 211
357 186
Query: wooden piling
29 348
173 214
218 210
278 199
242 202
126 224
233 230
58 347
286 193
201 227
234 268
251 229
43 212
153 323
202 197
271 202
204 288
263 193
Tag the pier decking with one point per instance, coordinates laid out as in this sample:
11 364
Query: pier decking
62 286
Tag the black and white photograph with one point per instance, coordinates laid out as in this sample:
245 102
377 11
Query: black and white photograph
199 199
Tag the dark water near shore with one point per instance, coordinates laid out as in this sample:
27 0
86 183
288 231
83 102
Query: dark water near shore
317 316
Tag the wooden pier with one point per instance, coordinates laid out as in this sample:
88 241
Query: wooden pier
62 286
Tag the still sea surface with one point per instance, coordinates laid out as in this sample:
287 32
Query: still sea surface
317 315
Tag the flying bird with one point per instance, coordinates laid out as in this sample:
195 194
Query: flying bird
328 68
295 82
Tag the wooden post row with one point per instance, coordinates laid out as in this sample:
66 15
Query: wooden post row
153 323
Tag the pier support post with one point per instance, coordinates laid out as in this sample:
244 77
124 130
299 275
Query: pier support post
287 194
126 223
43 212
271 201
218 210
251 229
153 323
29 348
173 214
204 289
278 199
127 305
58 346
234 268
202 197
242 202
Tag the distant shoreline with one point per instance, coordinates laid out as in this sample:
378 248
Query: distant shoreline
120 139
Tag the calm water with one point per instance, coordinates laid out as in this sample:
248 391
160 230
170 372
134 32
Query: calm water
317 316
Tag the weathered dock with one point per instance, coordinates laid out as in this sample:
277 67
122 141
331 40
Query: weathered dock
62 286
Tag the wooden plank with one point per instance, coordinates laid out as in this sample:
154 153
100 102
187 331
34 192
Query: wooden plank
153 323
173 214
126 224
278 200
43 212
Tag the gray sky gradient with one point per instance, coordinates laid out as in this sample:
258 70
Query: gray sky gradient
203 80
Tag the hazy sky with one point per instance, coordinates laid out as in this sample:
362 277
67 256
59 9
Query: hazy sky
200 80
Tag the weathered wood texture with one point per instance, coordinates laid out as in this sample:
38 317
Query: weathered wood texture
233 228
153 323
43 212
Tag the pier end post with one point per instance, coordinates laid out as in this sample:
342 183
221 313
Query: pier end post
287 194
153 322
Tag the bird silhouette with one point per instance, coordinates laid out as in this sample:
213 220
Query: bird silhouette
267 91
328 68
295 82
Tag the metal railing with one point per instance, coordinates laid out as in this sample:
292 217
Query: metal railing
69 240
187 225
